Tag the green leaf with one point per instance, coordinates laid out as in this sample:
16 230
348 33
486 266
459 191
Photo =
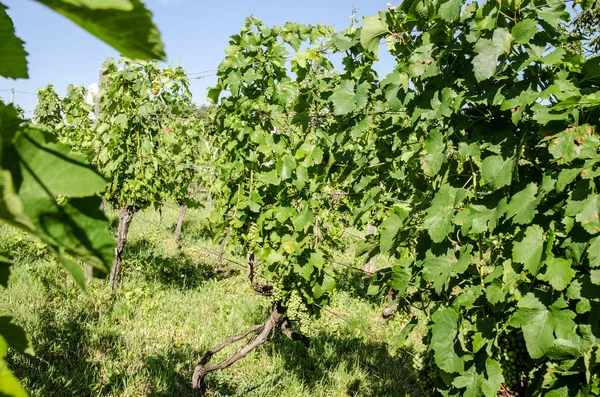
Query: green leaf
9 385
497 171
388 230
374 28
124 5
559 392
593 252
40 158
477 219
438 220
362 95
423 63
404 335
392 84
304 219
234 81
283 213
471 150
529 250
574 143
324 286
524 30
344 98
213 95
476 385
543 116
488 51
129 31
13 61
558 273
435 154
32 173
449 10
305 270
271 177
15 336
554 57
301 177
540 323
494 292
487 15
440 269
471 381
585 212
286 166
554 13
565 177
591 69
522 206
400 278
443 335
75 270
343 42
316 260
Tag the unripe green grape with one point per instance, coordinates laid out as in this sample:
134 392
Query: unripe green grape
515 361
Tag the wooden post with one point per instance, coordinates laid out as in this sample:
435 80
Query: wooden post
182 211
125 218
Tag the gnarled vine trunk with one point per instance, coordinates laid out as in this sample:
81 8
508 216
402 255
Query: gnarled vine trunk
262 330
182 211
125 218
277 319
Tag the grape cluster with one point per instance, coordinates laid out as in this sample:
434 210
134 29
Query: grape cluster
276 293
253 236
298 312
514 359
428 372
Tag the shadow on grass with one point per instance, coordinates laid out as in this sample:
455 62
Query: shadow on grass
178 271
378 373
356 284
70 361
195 229
353 282
63 364
175 271
171 373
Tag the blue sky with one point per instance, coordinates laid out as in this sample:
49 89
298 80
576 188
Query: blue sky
195 34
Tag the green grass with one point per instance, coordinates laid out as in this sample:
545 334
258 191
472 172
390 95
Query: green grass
173 306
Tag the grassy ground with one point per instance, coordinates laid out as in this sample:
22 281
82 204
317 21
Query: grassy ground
146 340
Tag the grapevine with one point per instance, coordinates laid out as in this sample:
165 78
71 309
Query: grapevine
134 138
495 221
477 156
